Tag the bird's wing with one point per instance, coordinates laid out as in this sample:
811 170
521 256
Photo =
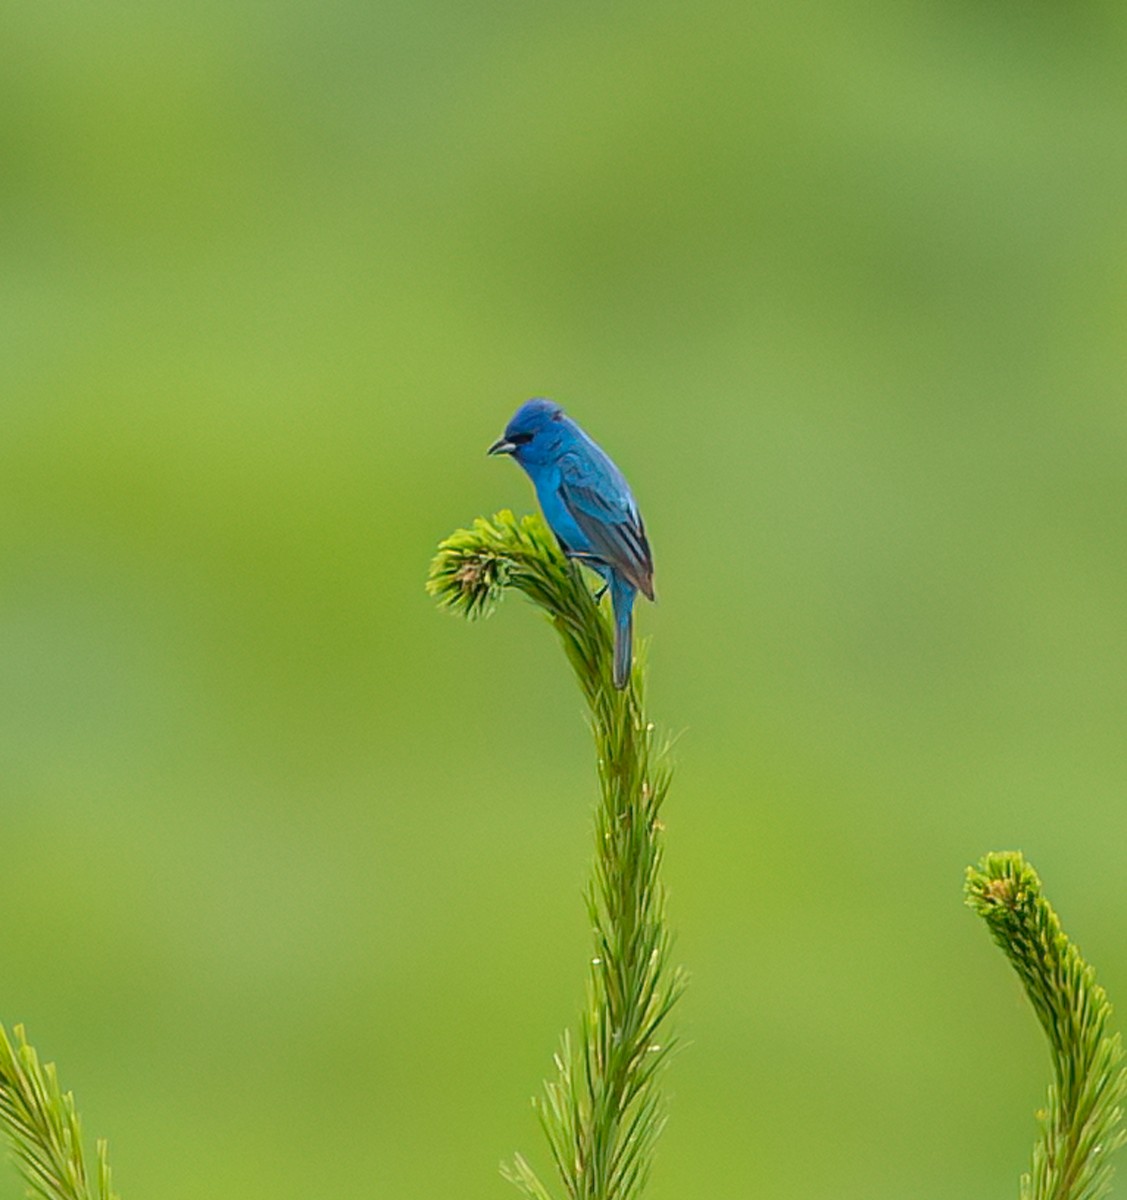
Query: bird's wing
598 498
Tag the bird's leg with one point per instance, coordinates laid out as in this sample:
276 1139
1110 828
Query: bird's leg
596 564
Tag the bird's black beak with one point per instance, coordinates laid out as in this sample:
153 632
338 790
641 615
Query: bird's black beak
502 446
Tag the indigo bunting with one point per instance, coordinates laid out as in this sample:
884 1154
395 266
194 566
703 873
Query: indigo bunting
590 508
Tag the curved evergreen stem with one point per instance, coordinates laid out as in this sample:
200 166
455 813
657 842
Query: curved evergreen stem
43 1127
1082 1124
603 1111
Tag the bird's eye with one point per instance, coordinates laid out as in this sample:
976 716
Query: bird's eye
520 439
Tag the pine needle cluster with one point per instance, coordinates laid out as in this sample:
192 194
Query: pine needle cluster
603 1111
1082 1123
43 1128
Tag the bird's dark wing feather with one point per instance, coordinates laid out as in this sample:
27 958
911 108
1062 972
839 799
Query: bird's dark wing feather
603 508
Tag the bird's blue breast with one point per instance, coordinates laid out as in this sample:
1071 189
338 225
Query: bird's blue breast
546 480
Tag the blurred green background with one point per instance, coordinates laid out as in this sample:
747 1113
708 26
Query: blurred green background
292 861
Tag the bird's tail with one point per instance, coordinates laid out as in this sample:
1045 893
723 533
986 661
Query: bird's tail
622 601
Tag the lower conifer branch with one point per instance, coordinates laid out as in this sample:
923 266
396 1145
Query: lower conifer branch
1082 1124
43 1129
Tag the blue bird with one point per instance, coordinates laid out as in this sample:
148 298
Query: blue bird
590 508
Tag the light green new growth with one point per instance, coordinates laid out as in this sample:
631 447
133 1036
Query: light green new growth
43 1127
603 1111
1082 1124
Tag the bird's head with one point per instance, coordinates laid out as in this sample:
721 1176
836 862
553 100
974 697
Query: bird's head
533 434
